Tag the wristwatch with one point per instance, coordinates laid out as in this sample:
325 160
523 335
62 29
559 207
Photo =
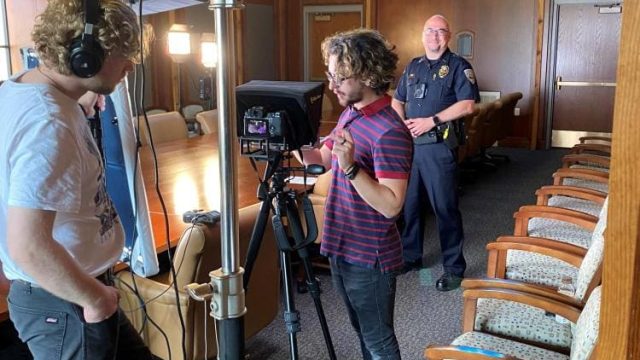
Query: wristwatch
436 120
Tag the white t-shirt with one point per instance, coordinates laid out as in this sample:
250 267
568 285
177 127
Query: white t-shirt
49 161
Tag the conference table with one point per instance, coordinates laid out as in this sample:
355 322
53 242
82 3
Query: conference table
188 178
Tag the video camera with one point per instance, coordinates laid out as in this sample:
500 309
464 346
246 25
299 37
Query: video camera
277 116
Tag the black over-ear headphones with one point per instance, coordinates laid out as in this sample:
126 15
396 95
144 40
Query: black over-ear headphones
85 53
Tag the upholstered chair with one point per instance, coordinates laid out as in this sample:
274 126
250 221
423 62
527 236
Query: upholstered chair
475 345
208 121
198 253
167 126
524 322
544 261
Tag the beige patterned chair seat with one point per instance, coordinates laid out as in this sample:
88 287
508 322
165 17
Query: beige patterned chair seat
590 166
508 318
504 346
586 183
567 202
537 268
559 230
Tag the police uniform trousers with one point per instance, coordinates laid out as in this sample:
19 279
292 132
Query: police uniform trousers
434 173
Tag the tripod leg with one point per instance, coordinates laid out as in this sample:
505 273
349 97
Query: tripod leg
291 315
256 240
314 288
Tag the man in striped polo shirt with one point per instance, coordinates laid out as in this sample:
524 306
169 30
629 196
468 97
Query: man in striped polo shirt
370 153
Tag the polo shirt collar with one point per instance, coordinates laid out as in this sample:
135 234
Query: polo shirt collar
375 106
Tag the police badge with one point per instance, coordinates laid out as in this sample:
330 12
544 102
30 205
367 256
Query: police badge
443 71
470 75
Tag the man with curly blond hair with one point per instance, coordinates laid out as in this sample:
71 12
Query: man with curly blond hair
59 233
369 152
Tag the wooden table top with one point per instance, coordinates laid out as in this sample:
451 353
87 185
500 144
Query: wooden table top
189 179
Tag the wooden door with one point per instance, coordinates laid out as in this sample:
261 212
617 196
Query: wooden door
324 22
585 69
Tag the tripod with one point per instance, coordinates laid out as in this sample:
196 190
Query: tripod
285 205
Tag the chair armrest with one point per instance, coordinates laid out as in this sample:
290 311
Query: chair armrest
533 289
150 290
567 311
456 352
572 159
544 193
527 212
601 148
582 174
582 139
568 257
544 243
497 257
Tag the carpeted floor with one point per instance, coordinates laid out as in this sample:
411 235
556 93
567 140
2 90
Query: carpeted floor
423 315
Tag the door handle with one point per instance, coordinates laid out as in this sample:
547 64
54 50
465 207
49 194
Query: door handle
560 83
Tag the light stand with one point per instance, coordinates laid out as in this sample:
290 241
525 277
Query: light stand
179 48
227 306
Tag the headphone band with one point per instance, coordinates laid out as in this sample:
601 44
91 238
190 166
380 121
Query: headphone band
90 16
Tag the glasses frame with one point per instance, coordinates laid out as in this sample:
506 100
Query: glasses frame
436 32
333 78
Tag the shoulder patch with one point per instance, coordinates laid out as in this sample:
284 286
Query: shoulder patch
470 75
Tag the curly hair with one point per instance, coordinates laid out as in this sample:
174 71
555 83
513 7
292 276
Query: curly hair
117 31
364 54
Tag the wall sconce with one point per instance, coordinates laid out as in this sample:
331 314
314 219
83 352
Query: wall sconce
179 48
179 42
209 50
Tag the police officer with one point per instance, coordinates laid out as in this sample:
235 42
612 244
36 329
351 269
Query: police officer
434 91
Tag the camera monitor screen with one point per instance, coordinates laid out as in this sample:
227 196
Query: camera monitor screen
300 101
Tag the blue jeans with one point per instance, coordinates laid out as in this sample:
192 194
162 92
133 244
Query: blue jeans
370 298
54 328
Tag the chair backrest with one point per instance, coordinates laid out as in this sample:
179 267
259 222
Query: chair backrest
189 111
585 334
156 111
505 114
189 252
589 271
323 182
164 127
474 128
208 121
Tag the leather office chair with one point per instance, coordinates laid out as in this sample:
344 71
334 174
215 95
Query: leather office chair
165 127
318 197
189 112
208 121
198 253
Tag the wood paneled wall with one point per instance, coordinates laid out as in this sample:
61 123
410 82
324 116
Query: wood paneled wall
620 319
504 49
21 16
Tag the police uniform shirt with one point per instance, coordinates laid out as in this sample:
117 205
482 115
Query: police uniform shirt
430 86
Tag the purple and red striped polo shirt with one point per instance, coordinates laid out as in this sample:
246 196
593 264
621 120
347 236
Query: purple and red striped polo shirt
353 230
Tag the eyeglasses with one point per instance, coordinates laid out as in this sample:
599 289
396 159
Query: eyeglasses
438 32
337 81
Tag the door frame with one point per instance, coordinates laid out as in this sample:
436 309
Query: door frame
552 50
306 10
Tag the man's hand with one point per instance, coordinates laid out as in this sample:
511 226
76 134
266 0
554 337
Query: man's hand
104 307
419 126
343 148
